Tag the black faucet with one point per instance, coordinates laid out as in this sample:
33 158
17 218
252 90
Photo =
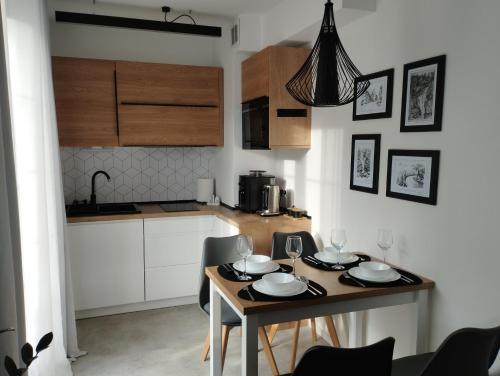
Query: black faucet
92 196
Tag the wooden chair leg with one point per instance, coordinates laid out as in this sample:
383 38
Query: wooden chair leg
295 345
225 336
313 330
332 331
206 348
272 332
268 351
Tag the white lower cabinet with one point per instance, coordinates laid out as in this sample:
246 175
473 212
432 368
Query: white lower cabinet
107 263
115 263
173 249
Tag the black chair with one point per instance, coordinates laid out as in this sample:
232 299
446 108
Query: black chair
309 248
217 251
466 352
373 360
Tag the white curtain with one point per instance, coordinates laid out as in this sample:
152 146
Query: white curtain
47 287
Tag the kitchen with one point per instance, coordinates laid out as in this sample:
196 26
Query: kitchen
166 139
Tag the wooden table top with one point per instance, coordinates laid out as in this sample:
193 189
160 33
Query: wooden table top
328 279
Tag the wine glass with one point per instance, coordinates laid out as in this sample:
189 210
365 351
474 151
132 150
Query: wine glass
293 249
338 240
244 247
384 241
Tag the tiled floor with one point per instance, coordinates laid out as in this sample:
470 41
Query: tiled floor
165 342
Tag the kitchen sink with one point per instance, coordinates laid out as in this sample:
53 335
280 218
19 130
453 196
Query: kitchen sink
100 209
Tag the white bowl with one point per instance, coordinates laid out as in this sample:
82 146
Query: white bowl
256 263
375 269
278 281
332 254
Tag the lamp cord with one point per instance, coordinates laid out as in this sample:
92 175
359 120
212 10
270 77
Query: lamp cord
182 15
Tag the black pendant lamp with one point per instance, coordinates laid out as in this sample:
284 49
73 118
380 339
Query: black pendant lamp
327 77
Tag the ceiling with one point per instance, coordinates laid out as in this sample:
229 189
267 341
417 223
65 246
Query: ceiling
215 7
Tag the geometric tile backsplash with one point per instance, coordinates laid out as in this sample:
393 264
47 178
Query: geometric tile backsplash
137 173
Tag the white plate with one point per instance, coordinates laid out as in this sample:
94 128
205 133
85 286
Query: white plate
268 268
297 288
357 273
345 258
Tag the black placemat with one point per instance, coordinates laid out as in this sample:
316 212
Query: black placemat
258 296
230 276
329 267
349 280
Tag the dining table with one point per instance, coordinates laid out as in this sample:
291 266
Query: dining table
339 299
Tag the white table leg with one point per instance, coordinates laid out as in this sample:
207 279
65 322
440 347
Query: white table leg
356 328
249 346
215 332
422 321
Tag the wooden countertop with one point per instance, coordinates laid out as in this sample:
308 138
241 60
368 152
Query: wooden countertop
235 217
328 279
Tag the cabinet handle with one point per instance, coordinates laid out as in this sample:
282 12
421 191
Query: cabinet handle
7 330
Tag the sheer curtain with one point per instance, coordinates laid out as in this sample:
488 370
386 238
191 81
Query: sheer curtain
47 288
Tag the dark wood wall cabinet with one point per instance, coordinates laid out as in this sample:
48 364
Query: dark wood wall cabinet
109 103
265 74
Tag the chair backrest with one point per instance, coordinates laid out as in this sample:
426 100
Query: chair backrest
216 251
465 352
309 247
373 360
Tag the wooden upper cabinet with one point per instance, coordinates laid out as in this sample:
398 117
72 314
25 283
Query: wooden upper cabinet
255 76
164 104
85 98
167 84
108 103
287 132
169 125
266 74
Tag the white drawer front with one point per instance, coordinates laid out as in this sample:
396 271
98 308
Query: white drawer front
174 249
172 282
162 226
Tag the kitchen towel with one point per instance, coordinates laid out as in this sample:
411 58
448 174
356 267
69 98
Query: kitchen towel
205 189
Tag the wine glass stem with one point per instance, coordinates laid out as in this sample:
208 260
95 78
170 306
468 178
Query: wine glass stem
293 267
245 263
385 255
338 256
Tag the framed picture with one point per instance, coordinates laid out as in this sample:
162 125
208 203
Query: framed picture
365 162
376 101
413 175
423 91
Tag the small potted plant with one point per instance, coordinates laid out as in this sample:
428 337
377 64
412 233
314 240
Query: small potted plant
28 355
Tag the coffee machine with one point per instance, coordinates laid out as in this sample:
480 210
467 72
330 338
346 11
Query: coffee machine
250 190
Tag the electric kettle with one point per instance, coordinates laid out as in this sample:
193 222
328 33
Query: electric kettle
270 200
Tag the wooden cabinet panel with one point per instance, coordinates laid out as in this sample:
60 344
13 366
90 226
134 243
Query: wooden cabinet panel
255 76
266 74
262 233
107 263
169 125
148 83
85 98
287 132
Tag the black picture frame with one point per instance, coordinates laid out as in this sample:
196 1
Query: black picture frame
438 95
387 113
431 198
376 138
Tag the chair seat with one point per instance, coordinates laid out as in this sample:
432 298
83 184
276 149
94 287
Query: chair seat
228 316
410 365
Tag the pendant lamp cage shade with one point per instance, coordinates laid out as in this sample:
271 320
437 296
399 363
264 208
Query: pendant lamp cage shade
328 75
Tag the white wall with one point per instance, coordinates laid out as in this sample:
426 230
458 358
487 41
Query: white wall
456 243
102 42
